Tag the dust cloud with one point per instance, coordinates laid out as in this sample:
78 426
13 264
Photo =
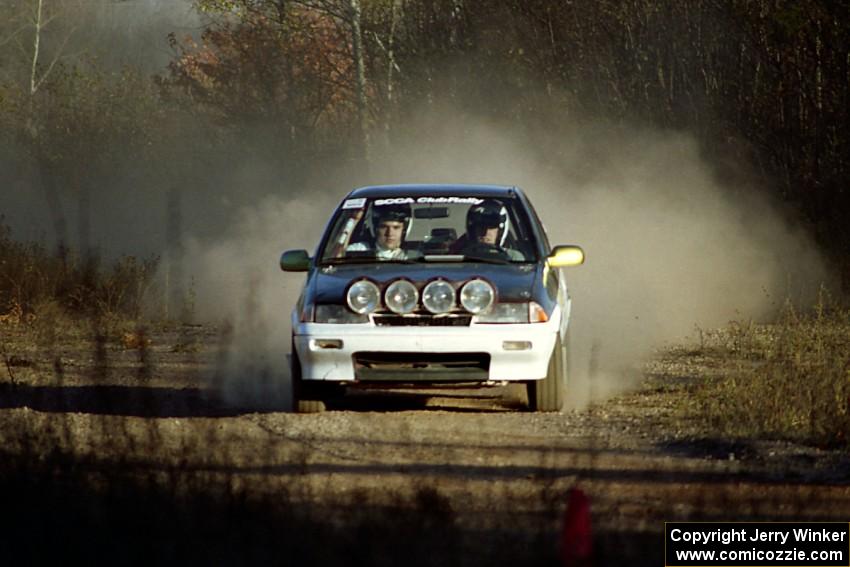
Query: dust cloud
669 247
670 250
237 284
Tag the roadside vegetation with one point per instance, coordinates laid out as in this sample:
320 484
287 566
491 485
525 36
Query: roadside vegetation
38 283
58 301
88 445
789 380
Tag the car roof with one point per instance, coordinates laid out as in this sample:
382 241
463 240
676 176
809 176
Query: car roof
438 190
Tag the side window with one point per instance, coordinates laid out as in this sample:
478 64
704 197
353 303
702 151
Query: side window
520 237
541 229
348 225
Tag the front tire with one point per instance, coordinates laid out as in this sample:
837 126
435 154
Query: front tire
304 398
549 394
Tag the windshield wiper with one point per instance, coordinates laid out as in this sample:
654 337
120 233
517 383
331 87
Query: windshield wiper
461 258
441 258
395 260
491 260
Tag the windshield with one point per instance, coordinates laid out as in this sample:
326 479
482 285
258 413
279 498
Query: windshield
429 228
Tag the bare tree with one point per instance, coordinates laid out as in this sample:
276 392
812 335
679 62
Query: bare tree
355 16
31 19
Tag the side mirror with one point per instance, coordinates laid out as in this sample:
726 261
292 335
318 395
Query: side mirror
295 261
563 256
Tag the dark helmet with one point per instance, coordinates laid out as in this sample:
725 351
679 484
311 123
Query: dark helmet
489 214
396 212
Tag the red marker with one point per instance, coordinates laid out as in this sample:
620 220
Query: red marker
577 533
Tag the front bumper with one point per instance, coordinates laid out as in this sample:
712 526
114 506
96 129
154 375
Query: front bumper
327 351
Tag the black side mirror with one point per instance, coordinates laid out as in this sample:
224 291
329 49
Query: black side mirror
295 261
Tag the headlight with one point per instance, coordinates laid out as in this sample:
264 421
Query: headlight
536 314
526 312
438 296
505 313
477 296
338 314
401 297
363 297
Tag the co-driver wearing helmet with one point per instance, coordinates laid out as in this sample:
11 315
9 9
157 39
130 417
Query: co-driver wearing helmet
389 223
485 228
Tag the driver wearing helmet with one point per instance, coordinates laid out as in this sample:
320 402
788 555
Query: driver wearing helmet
390 224
486 227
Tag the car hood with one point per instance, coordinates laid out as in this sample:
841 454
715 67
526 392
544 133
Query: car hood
513 282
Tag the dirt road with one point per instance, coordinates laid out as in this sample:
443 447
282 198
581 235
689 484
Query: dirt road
118 452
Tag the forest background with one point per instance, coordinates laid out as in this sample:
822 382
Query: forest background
126 124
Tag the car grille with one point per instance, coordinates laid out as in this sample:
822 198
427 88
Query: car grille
422 320
421 366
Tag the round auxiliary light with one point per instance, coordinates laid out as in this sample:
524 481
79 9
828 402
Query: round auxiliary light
401 297
363 297
477 296
438 296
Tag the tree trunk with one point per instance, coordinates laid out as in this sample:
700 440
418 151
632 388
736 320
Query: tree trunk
175 299
360 79
42 175
391 67
40 171
83 192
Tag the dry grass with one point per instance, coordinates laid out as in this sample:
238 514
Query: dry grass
37 284
99 466
790 380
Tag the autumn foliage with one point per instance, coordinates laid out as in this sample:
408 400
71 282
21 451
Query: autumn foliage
759 83
289 70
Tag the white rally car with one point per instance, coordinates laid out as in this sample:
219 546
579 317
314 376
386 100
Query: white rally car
417 286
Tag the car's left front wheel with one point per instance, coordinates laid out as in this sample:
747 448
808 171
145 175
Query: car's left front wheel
550 393
305 399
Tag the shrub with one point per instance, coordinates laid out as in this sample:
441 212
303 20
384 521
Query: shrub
791 380
30 277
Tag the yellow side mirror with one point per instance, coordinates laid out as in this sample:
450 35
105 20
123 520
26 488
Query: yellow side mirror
563 256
